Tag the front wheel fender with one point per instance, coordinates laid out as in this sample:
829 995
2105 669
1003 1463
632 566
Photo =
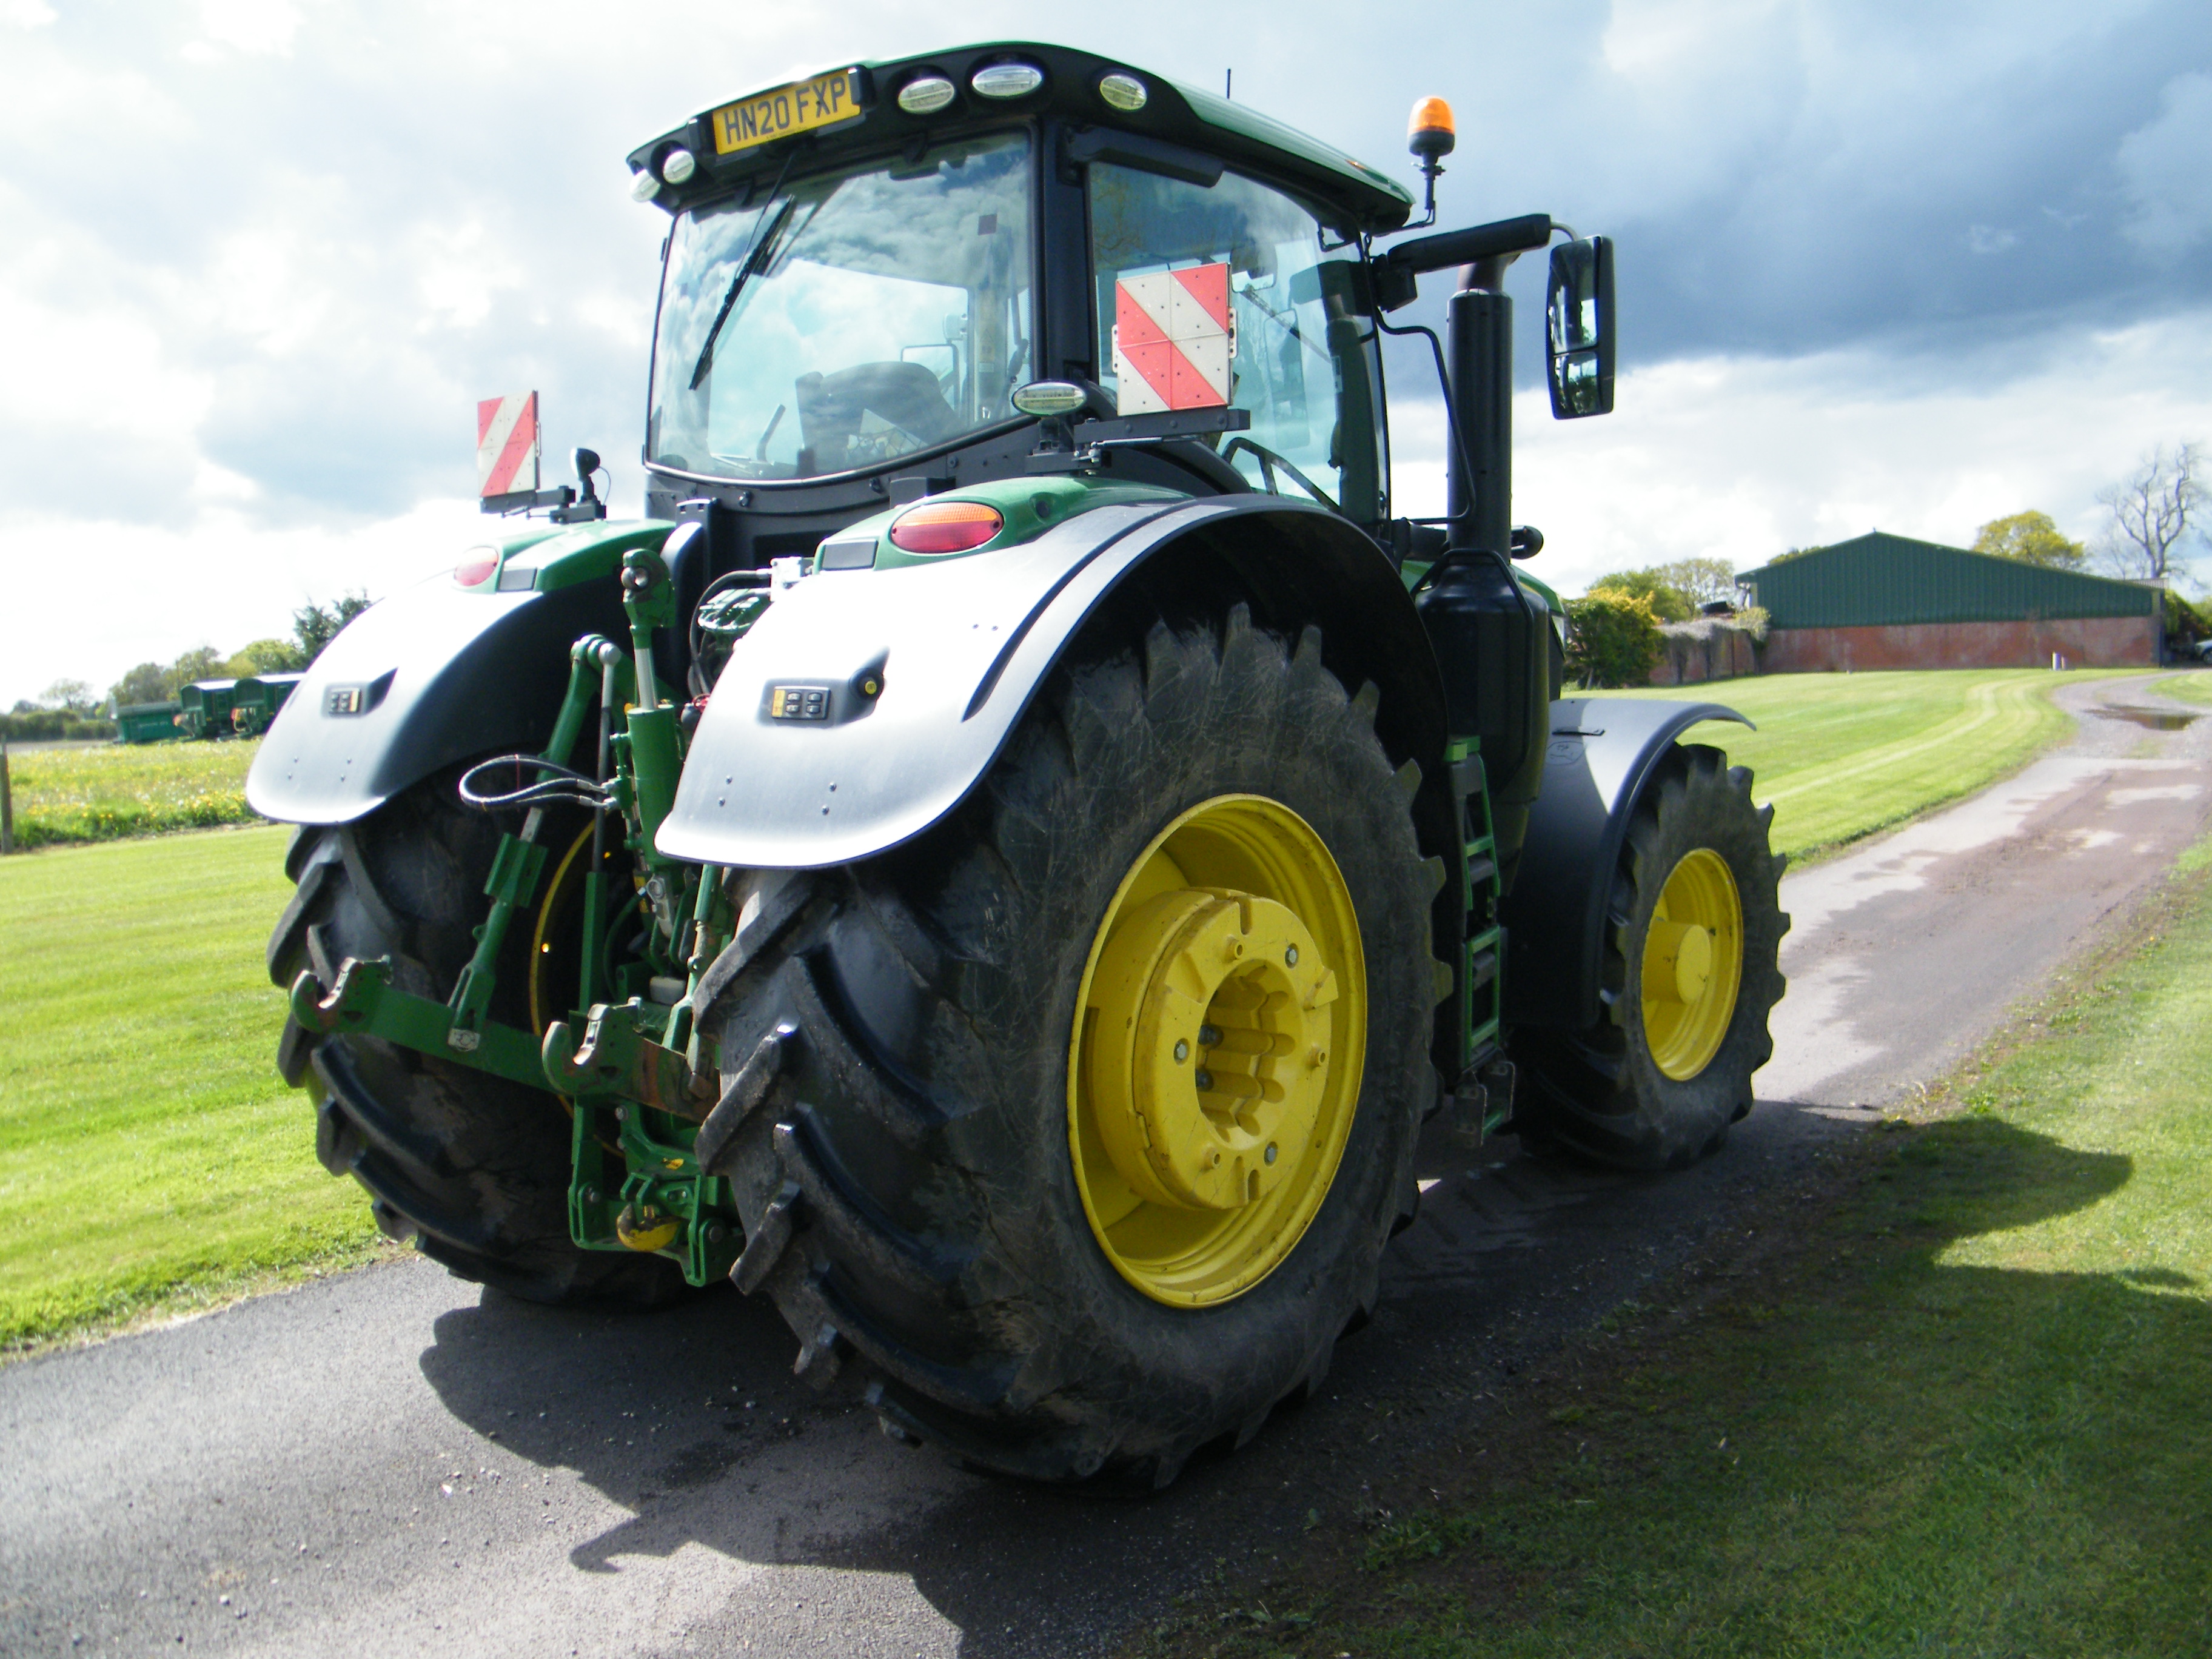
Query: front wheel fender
1602 751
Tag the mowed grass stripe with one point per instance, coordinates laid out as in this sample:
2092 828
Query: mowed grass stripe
148 1150
1840 757
2195 687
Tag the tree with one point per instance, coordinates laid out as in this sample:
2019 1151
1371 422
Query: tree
1613 638
316 625
147 683
202 662
1701 580
2029 538
71 697
1667 602
2152 510
266 656
1677 588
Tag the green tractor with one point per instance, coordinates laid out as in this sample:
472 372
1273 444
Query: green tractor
1004 858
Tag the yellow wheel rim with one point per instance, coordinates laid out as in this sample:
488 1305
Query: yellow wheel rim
542 1011
1220 1036
1692 965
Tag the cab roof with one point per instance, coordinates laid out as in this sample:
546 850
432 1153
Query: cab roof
1365 198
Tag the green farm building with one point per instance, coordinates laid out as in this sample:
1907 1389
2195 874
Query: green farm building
1884 601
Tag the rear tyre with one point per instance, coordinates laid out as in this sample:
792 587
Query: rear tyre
1692 942
471 1167
925 1191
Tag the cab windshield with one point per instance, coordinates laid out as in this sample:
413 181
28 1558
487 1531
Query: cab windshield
847 320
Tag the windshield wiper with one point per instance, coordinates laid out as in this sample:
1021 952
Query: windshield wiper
756 257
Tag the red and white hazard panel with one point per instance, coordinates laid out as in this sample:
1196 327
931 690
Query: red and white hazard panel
1174 337
506 444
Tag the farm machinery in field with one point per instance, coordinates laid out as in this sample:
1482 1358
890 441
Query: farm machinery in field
241 708
1006 856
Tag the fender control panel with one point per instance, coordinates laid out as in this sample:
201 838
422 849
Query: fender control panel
799 702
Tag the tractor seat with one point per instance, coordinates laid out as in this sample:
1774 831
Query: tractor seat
906 395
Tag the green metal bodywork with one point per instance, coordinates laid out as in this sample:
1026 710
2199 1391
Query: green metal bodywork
1242 121
546 557
1030 505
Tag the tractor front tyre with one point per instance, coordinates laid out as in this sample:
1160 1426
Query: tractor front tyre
1098 1102
472 1167
1691 971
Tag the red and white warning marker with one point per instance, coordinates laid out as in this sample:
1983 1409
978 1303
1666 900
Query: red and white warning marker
1174 337
506 444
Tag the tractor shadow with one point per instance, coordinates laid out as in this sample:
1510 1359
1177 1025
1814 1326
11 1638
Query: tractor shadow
691 1420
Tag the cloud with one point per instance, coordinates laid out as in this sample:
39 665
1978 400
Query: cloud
2165 168
1742 458
262 257
264 28
221 579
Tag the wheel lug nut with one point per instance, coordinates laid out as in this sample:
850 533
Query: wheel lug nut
1270 1153
1205 1079
1209 1037
1183 1051
1291 956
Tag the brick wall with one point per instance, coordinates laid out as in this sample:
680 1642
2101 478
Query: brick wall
2086 642
1706 649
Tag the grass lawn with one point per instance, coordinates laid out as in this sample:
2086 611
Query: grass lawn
149 1154
1841 756
2194 687
1958 1405
114 790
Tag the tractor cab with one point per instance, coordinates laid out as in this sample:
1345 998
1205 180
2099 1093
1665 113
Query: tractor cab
864 269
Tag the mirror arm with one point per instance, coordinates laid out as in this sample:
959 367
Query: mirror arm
1397 268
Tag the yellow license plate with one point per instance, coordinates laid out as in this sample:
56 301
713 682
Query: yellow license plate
800 108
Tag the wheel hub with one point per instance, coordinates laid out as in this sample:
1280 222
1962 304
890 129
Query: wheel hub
1692 965
1221 1000
1220 1037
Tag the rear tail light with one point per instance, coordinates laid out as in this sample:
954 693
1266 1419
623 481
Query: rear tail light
946 528
477 567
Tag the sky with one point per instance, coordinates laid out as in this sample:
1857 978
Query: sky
1901 264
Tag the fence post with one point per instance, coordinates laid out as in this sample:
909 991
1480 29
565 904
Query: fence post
7 804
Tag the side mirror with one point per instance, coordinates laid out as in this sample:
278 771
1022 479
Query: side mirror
1578 328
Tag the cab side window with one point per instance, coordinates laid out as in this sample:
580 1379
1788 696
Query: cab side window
1229 294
